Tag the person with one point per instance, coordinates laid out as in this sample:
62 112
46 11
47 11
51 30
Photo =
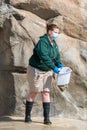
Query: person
44 61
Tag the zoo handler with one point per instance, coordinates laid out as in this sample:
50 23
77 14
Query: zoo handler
44 61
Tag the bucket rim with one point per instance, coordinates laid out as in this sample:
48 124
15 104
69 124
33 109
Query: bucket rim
70 70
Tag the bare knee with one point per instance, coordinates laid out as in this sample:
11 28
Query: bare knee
45 96
31 96
45 93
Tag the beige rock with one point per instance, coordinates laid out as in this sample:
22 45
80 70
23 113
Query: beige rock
13 46
34 25
2 19
70 28
21 91
81 3
46 9
13 91
5 51
33 30
25 34
21 43
7 93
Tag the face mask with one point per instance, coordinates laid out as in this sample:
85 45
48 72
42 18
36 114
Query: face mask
54 36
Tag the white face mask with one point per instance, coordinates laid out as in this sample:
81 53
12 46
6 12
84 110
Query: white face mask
54 36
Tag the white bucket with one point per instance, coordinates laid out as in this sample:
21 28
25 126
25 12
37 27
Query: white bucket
63 77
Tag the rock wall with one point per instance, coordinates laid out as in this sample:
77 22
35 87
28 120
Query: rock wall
21 24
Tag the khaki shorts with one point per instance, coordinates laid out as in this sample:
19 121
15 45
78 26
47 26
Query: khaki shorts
39 80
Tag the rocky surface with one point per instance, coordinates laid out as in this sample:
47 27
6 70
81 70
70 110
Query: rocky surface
21 24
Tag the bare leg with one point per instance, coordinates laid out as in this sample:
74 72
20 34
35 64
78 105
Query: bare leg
45 96
31 96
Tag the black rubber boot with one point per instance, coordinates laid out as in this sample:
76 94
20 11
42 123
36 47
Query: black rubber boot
28 111
46 110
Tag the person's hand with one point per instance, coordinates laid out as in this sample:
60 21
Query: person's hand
56 70
60 66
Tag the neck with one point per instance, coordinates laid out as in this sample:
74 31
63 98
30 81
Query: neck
51 40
